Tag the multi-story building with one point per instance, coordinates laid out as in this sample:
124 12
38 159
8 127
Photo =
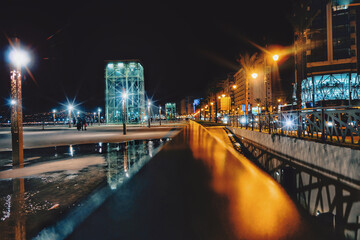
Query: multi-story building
125 76
332 55
170 111
187 105
251 91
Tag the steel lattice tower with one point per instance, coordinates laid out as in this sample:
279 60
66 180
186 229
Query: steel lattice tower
120 76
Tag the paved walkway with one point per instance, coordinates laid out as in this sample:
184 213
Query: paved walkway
35 137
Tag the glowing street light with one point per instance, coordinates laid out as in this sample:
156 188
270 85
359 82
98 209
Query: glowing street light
160 115
70 108
19 58
254 75
275 57
149 104
54 111
99 111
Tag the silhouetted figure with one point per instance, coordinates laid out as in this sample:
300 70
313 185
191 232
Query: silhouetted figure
78 125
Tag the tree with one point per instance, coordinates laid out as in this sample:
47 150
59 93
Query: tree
212 90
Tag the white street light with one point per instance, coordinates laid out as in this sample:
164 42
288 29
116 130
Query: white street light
19 58
149 104
70 108
99 111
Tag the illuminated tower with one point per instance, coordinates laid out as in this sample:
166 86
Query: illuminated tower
128 76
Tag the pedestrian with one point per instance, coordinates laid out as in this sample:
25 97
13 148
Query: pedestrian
82 124
78 125
85 124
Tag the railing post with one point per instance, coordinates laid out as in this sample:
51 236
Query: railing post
246 121
281 124
299 129
322 124
259 123
269 123
252 122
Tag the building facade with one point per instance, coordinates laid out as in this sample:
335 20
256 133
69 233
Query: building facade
251 91
187 105
332 55
124 76
170 111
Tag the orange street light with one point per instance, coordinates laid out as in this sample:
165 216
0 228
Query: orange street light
234 86
275 57
254 75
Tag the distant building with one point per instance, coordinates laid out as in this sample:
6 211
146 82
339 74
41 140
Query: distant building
128 76
186 106
250 91
332 55
170 111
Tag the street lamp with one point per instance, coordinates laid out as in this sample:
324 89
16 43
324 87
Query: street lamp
275 57
54 111
211 104
124 96
70 108
19 58
160 115
99 111
149 104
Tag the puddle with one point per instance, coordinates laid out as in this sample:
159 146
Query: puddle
57 179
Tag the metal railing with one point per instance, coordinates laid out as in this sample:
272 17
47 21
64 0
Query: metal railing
332 124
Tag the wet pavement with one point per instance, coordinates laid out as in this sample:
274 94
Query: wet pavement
55 181
35 137
198 187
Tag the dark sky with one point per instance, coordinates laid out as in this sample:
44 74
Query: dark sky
182 45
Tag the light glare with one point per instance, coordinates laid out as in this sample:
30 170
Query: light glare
19 57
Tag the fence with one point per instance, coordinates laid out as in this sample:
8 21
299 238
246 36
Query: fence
336 124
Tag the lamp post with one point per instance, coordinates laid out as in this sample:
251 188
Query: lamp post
70 108
94 117
124 96
149 104
99 111
160 115
19 58
211 108
54 111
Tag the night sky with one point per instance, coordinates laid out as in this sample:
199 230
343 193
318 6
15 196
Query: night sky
183 45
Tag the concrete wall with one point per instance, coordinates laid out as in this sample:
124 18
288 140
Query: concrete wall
341 160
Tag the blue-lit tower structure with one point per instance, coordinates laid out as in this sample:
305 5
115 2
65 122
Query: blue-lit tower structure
120 76
332 55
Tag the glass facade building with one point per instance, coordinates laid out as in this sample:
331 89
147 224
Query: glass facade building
170 111
124 76
332 54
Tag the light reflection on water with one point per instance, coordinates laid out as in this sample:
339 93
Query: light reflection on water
27 204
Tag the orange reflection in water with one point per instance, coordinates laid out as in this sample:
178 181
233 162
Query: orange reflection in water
259 208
